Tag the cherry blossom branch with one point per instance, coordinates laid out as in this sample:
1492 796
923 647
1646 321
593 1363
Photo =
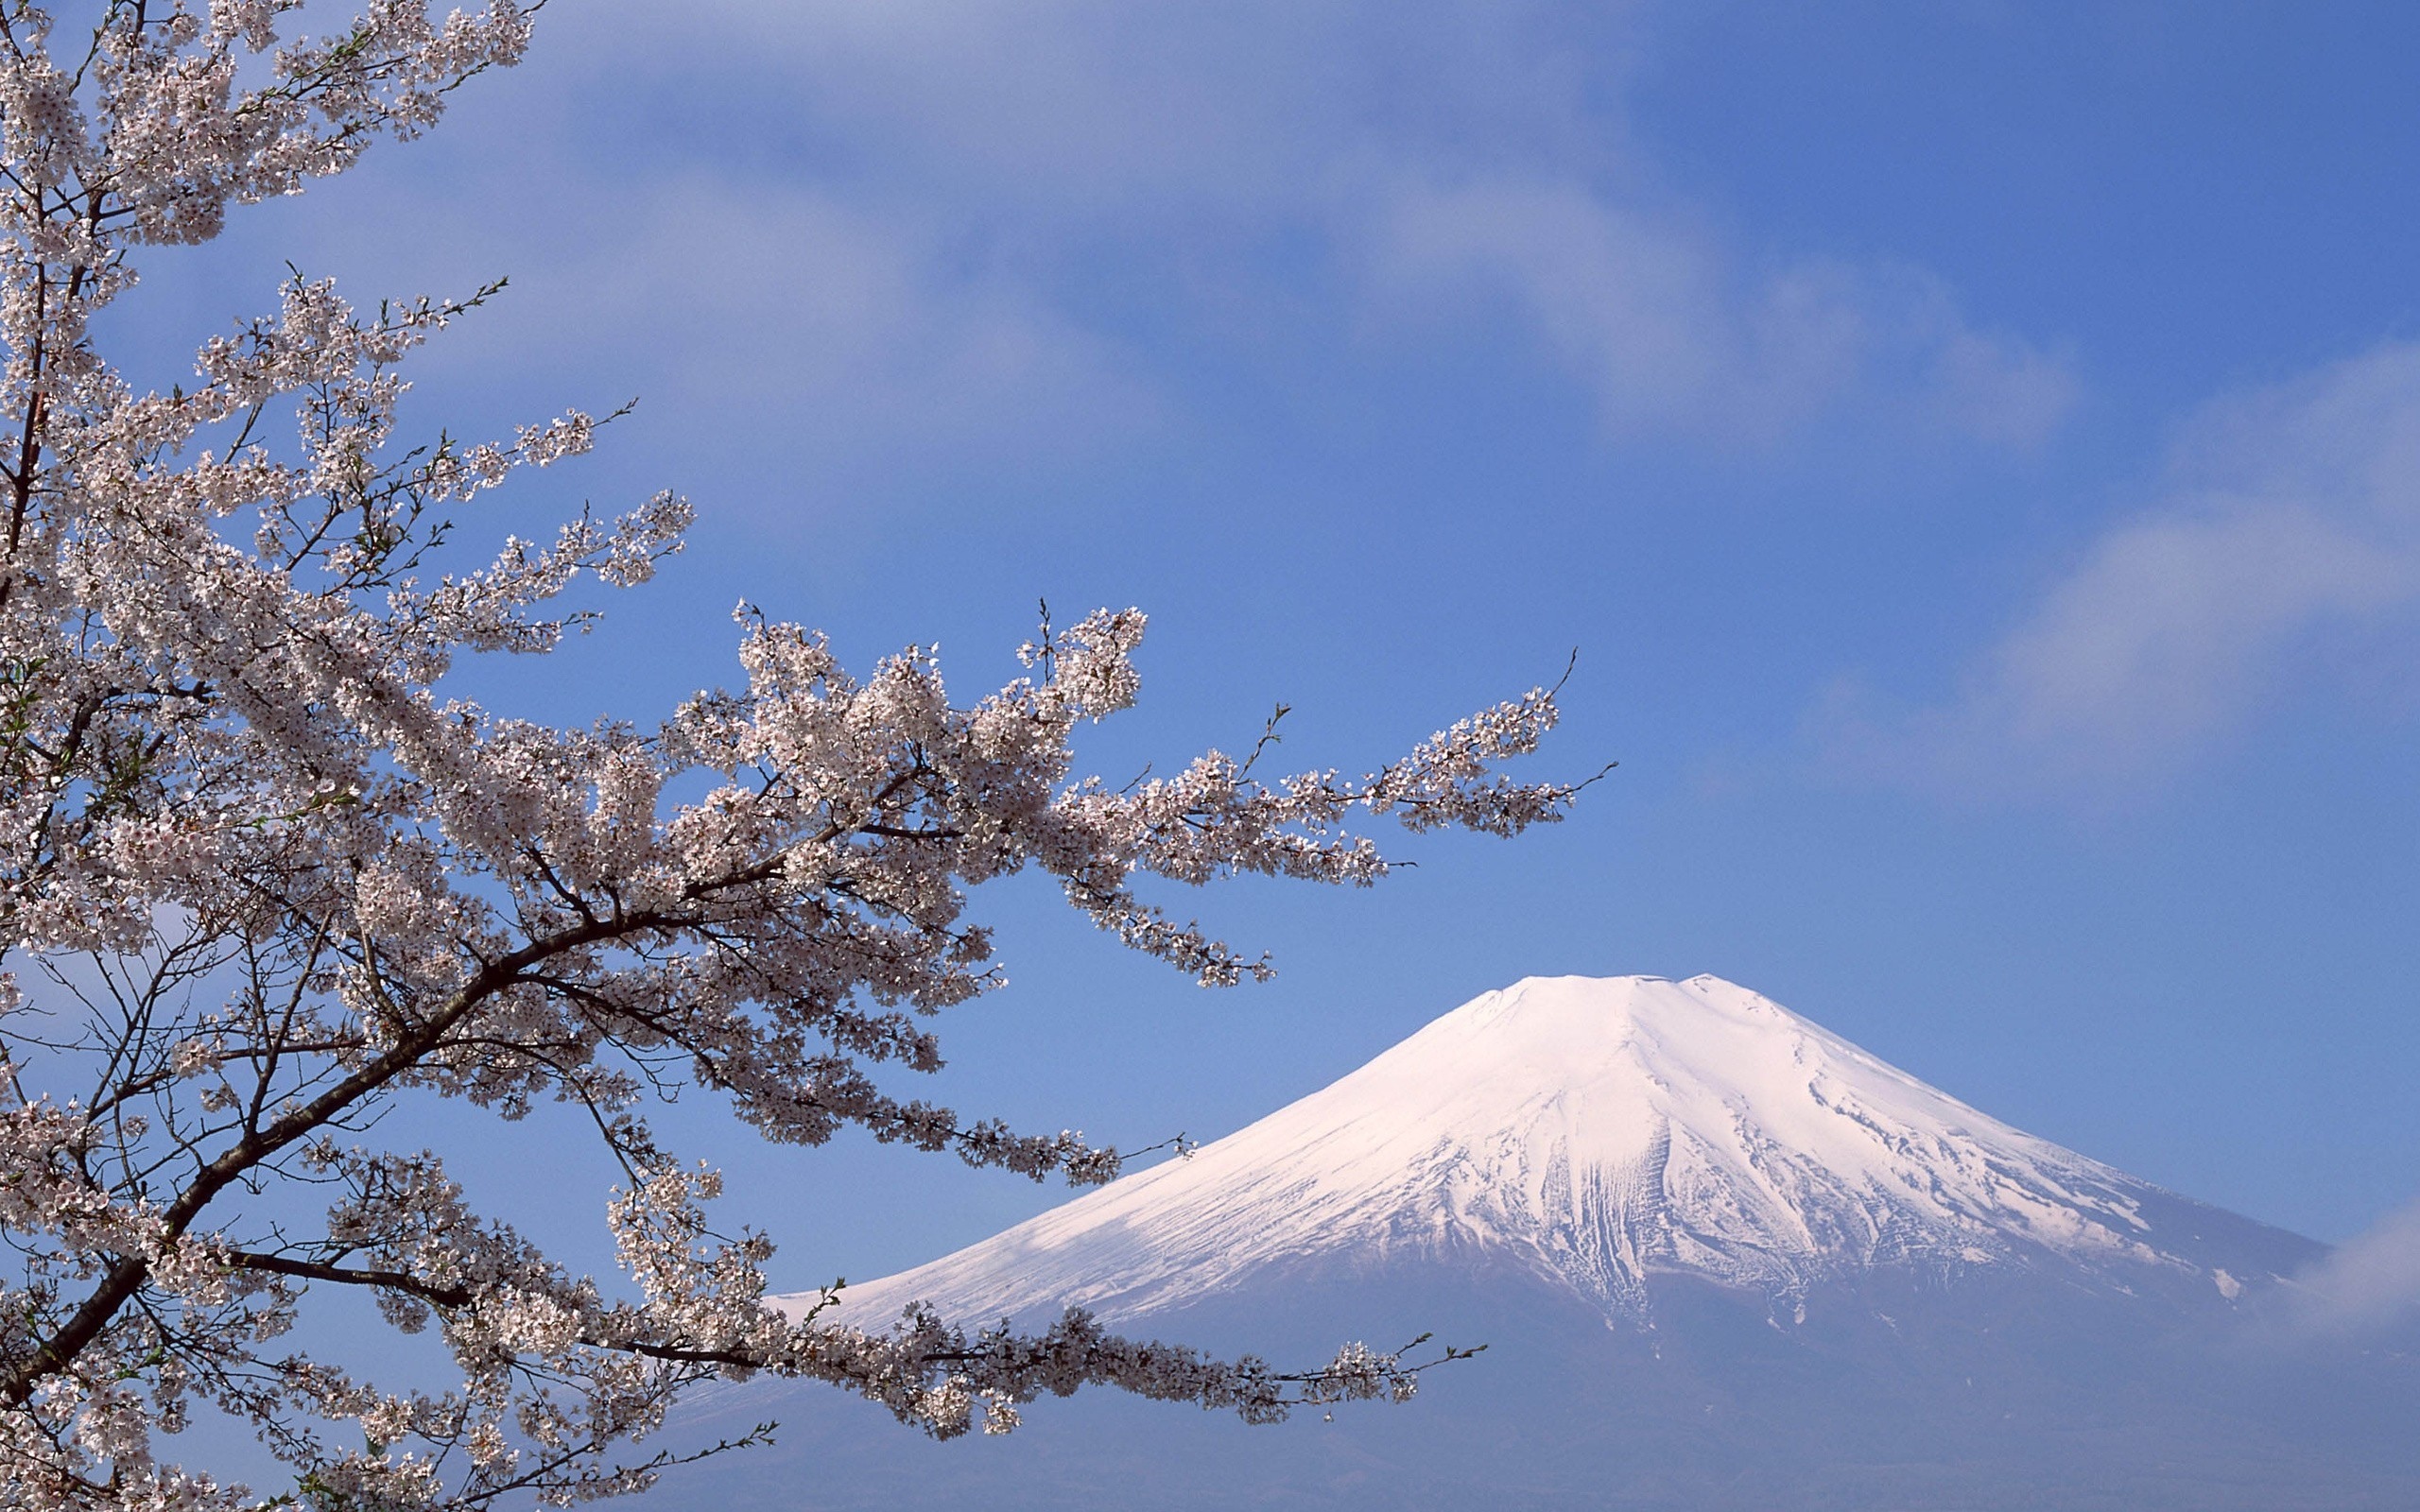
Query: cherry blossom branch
271 883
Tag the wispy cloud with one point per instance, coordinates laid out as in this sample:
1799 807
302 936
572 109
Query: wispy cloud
1653 316
904 215
835 326
2370 1282
2289 518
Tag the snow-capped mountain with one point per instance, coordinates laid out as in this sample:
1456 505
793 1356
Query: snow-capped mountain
1603 1132
1723 1260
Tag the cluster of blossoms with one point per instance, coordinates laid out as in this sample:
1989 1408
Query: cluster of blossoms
260 878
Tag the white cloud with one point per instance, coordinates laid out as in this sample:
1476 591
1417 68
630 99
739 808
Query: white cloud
2371 1282
2290 519
1648 311
1447 151
834 325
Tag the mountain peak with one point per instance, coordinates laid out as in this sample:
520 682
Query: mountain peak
1600 1133
1698 1021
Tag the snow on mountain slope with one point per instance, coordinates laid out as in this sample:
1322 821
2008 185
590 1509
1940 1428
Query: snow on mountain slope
1600 1133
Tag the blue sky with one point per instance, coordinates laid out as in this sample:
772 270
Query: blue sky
1974 448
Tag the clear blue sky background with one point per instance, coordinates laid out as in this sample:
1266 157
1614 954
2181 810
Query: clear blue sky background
1974 447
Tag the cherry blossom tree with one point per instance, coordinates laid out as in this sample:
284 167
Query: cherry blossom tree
263 876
